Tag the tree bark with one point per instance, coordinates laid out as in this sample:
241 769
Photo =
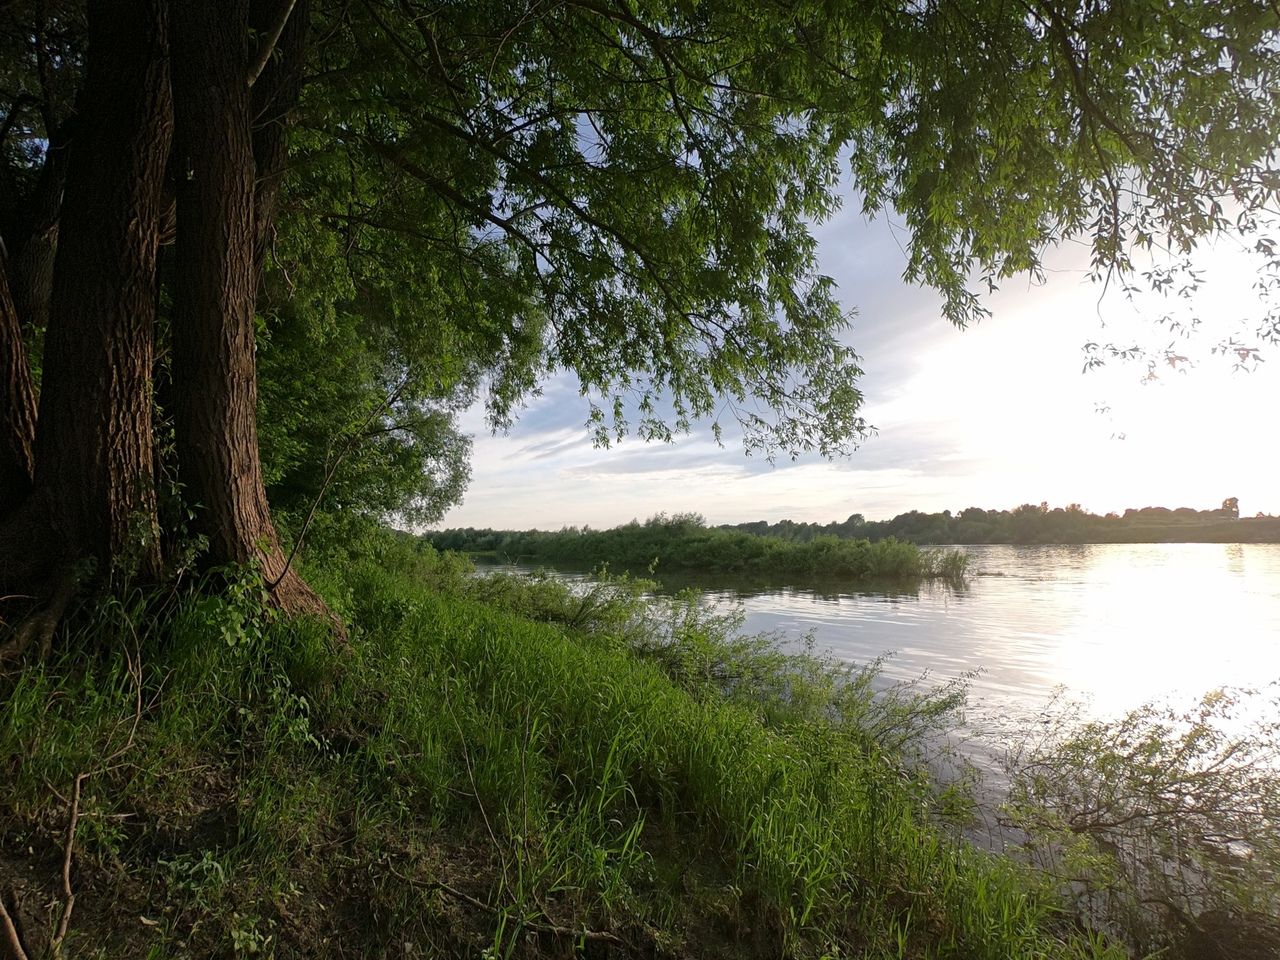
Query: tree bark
93 448
216 279
17 406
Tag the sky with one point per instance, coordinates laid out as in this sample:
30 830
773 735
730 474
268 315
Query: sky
993 416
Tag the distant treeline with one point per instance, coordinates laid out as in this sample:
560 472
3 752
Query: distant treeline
1031 523
683 542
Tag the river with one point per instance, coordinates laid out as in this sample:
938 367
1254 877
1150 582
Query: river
1112 625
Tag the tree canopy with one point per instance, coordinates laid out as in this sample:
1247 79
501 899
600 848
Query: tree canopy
409 206
628 191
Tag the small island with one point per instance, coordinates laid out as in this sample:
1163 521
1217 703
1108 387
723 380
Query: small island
683 543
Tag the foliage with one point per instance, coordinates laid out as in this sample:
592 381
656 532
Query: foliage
1164 824
683 542
628 192
332 408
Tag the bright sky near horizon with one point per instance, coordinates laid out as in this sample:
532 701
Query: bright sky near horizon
993 416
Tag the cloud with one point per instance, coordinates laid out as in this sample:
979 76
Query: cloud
557 406
557 442
669 460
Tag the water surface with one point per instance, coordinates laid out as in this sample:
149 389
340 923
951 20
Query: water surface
1116 624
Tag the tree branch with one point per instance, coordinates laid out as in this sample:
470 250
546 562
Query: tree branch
11 938
268 44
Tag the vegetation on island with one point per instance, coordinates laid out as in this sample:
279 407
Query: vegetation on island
684 543
256 256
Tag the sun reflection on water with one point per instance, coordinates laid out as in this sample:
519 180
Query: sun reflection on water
1115 624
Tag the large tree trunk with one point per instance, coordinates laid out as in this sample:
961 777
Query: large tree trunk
17 406
93 448
216 279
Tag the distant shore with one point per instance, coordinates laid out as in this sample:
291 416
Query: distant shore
1026 525
1247 530
1039 524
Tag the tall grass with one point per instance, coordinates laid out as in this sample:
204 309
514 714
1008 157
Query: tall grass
609 777
683 543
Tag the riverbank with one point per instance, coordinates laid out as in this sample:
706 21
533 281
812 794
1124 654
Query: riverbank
488 765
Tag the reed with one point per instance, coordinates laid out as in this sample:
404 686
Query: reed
684 543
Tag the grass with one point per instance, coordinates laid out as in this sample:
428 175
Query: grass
497 768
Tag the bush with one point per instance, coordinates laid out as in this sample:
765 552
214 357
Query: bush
1164 825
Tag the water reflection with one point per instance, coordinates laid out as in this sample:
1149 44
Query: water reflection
1235 557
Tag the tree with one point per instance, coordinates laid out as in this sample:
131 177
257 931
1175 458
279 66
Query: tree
491 192
92 493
